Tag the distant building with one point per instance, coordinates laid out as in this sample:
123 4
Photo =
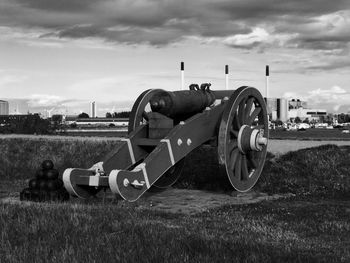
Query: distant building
284 110
277 108
296 104
310 114
93 110
70 119
4 107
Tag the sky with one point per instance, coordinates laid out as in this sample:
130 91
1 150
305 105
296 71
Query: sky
60 55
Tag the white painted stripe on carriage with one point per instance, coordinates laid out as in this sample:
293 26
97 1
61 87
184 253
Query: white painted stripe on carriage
142 166
112 181
94 180
67 182
171 154
132 156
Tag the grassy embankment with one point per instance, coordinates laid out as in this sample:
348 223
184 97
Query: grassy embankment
311 227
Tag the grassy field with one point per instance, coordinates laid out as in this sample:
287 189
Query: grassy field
313 226
280 231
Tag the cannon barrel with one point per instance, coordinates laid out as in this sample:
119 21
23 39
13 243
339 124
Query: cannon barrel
185 102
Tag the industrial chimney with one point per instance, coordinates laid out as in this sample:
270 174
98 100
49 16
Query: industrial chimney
93 110
267 74
182 75
226 76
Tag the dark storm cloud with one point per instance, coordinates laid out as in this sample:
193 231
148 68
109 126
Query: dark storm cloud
162 22
58 5
269 9
129 35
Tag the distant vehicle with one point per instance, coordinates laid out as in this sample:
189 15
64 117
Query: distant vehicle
303 126
321 125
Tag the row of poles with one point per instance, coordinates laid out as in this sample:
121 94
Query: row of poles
267 74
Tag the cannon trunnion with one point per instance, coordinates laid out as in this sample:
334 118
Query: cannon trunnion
164 127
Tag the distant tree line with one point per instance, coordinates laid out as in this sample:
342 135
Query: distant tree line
122 114
28 124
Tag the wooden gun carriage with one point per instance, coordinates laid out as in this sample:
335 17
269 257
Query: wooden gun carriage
165 126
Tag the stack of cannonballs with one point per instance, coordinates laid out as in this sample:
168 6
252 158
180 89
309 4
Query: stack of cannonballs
46 186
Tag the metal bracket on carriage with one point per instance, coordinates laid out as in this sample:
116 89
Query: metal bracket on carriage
98 169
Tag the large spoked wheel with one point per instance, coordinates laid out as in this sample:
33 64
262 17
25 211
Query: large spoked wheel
138 116
140 108
243 137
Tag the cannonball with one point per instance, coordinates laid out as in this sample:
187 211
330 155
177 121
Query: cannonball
25 194
33 183
40 174
42 184
35 193
47 165
52 185
51 174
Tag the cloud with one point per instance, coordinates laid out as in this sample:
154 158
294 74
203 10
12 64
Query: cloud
44 100
332 64
334 99
256 37
8 78
249 24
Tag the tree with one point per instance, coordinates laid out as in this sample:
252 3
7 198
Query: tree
279 123
83 115
123 114
306 121
108 115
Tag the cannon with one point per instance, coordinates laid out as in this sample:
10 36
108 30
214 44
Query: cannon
165 126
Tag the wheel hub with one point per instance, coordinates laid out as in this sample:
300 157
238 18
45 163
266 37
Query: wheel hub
250 139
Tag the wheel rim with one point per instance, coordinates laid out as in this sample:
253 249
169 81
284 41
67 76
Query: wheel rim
243 136
138 116
138 113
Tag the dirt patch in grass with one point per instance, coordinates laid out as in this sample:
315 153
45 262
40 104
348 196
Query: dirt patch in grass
183 201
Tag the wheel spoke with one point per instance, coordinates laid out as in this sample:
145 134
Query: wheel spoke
235 122
238 166
248 108
233 132
244 168
253 116
232 145
241 111
145 115
251 159
233 158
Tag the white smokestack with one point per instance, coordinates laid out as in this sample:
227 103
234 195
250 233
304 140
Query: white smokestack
182 75
93 109
226 76
267 74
